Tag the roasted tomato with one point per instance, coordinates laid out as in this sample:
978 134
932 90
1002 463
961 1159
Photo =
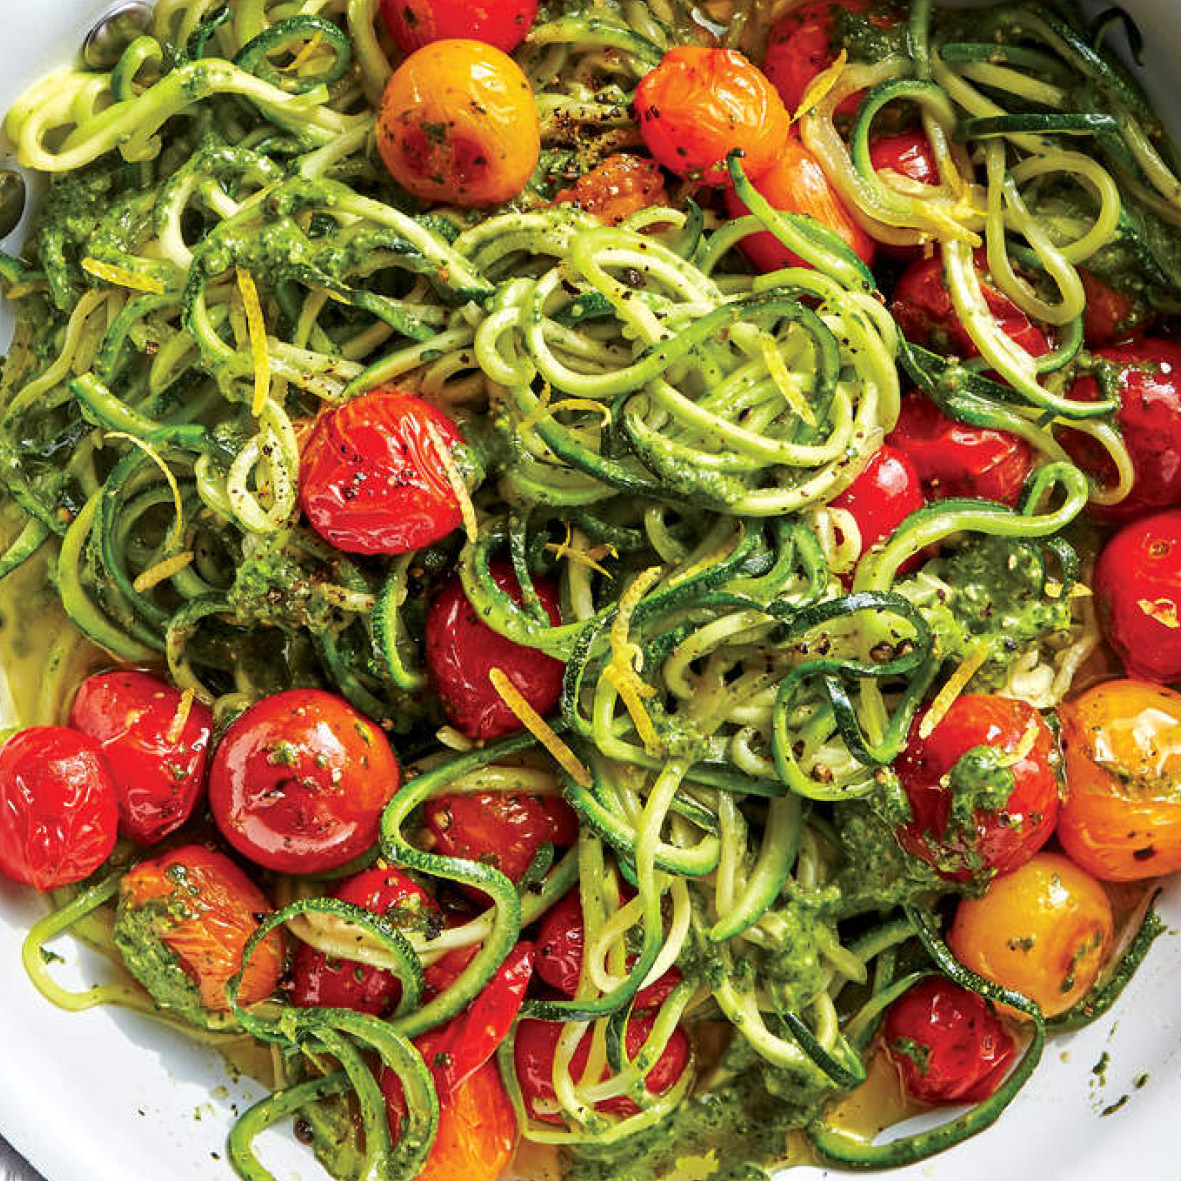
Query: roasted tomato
955 459
501 829
372 480
1147 378
461 650
415 23
618 187
155 744
1111 316
698 105
458 124
796 183
299 782
923 307
1045 930
948 1044
882 497
1121 818
1138 593
59 809
805 42
908 154
536 1045
972 813
322 980
477 1126
560 946
202 909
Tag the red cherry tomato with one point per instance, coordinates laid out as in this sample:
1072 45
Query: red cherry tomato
500 829
59 810
804 43
1148 382
371 479
909 154
954 459
925 313
559 955
448 968
415 23
699 104
319 980
796 183
993 839
947 1044
1110 315
299 782
1138 592
461 650
882 497
537 1042
158 774
206 909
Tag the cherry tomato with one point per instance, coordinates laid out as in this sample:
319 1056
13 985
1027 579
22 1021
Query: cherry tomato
621 185
1111 315
458 124
415 23
477 1126
1138 594
795 183
995 838
299 782
947 1044
1121 818
925 313
699 104
461 650
536 1045
59 809
1148 381
371 479
500 829
909 154
882 497
205 909
804 43
955 459
560 946
1045 930
448 968
158 774
319 980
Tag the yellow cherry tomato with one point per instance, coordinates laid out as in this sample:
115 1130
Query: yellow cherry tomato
1121 818
458 124
1045 930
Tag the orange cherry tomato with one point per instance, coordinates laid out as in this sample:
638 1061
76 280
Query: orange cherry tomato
699 104
477 1126
206 909
796 183
415 23
458 124
1045 930
1121 818
621 185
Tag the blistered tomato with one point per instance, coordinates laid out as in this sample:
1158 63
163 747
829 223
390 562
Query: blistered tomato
415 23
59 810
371 477
618 187
1121 818
299 782
155 744
1138 594
458 124
1002 831
699 104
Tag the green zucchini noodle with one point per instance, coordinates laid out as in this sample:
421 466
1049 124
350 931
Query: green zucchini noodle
663 434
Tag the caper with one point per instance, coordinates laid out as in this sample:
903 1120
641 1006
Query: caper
12 200
107 40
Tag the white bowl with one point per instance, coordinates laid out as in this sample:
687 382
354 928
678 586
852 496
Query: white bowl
106 1095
